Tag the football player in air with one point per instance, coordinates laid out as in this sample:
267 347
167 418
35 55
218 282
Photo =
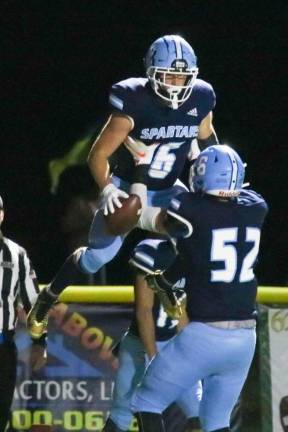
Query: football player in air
167 110
150 330
218 226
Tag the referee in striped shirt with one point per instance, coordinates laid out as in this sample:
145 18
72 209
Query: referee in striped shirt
17 282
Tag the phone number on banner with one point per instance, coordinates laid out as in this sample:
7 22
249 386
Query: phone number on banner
71 420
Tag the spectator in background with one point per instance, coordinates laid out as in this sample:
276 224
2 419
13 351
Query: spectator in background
76 202
17 281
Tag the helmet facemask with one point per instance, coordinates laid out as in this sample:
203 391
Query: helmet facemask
175 95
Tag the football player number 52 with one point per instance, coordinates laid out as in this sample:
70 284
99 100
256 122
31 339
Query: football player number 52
163 161
224 249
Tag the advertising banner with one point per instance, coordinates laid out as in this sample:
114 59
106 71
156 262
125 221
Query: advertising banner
278 337
274 368
73 392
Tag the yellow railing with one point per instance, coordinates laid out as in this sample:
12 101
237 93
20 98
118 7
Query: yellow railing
98 294
124 294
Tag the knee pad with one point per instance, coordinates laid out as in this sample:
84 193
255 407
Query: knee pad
151 255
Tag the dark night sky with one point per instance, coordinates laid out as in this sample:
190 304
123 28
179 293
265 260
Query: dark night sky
60 57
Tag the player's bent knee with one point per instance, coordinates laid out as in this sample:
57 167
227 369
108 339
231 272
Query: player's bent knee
77 255
91 260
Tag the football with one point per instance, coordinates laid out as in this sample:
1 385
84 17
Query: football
124 218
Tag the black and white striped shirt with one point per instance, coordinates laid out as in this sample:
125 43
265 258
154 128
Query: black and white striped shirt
18 282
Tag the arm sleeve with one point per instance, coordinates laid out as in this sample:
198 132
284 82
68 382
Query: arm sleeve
28 282
120 101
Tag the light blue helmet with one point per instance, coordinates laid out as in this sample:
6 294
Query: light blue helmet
171 55
219 171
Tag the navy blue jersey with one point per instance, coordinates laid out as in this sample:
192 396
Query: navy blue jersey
155 122
165 327
220 255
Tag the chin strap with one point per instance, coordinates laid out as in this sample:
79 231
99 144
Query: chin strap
174 102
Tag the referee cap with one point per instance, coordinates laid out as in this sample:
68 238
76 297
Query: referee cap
1 203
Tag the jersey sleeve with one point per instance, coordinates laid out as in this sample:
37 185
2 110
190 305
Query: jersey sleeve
178 206
252 199
178 217
206 98
121 100
211 98
151 255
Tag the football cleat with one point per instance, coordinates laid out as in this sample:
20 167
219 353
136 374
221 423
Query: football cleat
37 319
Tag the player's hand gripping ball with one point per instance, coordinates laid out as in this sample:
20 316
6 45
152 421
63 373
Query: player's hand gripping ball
124 218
